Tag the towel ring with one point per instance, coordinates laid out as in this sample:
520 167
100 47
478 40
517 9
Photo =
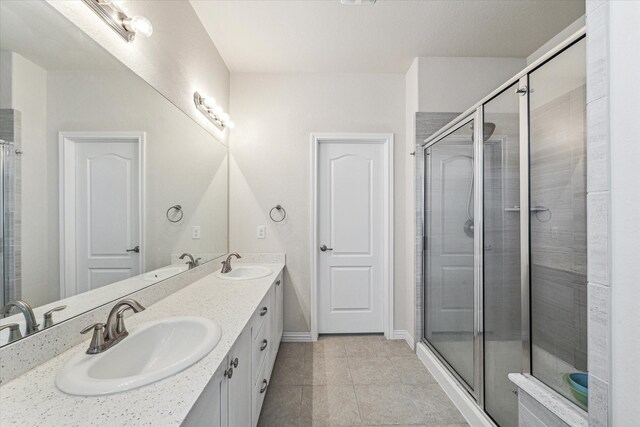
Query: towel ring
279 209
178 209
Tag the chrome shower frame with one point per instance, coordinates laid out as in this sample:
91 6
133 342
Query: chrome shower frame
476 113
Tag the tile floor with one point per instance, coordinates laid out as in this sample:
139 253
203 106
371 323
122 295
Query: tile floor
355 380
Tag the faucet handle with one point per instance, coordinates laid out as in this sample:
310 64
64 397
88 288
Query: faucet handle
14 331
48 316
97 340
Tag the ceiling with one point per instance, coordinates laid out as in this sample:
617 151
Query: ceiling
38 32
276 36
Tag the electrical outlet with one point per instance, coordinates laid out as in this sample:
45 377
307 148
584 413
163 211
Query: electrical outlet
195 232
261 232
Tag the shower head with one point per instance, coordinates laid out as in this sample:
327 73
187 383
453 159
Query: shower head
487 130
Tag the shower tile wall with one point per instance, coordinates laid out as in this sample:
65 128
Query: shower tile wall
426 125
558 244
10 122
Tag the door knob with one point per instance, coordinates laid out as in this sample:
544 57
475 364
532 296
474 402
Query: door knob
136 249
324 248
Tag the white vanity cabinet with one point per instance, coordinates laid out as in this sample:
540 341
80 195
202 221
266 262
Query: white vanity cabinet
235 394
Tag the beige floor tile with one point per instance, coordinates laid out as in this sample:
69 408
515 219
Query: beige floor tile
329 406
327 348
293 349
320 370
434 405
373 370
281 407
412 371
367 347
398 348
386 404
288 371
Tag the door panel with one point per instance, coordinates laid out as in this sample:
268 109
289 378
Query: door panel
107 212
351 215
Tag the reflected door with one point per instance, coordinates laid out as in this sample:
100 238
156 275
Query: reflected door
102 188
449 276
350 228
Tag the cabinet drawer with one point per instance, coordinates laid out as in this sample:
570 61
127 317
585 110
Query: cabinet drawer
259 392
262 315
261 347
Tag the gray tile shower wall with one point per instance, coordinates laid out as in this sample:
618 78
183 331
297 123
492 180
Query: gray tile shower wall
426 125
10 132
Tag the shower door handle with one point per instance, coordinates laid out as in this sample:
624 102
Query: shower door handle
136 249
324 248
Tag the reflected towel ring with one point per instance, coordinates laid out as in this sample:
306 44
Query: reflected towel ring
279 209
178 209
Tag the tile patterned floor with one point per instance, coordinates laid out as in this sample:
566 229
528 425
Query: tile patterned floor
356 380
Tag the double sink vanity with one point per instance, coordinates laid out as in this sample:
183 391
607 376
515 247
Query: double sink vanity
201 356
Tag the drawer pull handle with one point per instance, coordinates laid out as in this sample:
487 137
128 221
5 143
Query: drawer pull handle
265 383
263 311
229 373
277 282
234 363
264 345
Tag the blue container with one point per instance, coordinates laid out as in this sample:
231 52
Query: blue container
579 384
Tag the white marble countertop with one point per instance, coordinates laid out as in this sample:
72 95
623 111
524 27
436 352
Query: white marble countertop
33 399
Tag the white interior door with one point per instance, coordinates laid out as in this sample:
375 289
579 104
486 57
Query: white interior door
107 212
351 225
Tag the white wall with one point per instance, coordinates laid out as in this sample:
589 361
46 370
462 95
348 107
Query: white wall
624 68
455 84
178 59
27 93
270 164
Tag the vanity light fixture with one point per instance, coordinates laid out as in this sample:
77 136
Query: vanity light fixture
117 19
213 111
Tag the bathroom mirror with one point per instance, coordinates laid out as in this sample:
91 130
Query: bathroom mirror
105 183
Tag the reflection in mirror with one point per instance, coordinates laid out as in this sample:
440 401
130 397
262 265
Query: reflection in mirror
93 165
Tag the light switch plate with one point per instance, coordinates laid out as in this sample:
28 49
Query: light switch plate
261 232
195 232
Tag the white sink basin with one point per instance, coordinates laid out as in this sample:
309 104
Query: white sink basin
245 272
152 351
164 273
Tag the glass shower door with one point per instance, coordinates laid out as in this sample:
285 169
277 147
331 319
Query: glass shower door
449 263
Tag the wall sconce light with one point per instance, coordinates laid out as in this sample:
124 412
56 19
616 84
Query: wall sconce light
213 111
115 17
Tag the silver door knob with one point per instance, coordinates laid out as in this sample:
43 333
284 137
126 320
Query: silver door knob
136 249
324 248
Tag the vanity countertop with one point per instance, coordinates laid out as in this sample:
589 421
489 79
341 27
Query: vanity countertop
33 399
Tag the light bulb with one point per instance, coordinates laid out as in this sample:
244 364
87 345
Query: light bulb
224 117
209 102
230 124
217 110
139 25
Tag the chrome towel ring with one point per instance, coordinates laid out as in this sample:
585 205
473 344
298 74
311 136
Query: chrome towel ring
282 212
178 211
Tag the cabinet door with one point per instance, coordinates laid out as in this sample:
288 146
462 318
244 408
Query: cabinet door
240 381
211 408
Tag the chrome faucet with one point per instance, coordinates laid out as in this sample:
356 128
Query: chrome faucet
106 335
226 265
193 262
30 319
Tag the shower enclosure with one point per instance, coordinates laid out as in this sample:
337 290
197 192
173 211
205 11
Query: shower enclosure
504 247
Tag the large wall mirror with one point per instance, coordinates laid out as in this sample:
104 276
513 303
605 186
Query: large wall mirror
105 183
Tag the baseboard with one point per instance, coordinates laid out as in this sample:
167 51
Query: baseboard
401 334
474 415
296 337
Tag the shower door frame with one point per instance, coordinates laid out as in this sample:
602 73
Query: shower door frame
477 390
476 113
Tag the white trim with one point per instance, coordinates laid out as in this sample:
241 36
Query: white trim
474 415
388 285
67 221
296 337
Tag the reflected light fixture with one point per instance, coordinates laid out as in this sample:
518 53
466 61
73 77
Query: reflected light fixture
213 111
117 19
